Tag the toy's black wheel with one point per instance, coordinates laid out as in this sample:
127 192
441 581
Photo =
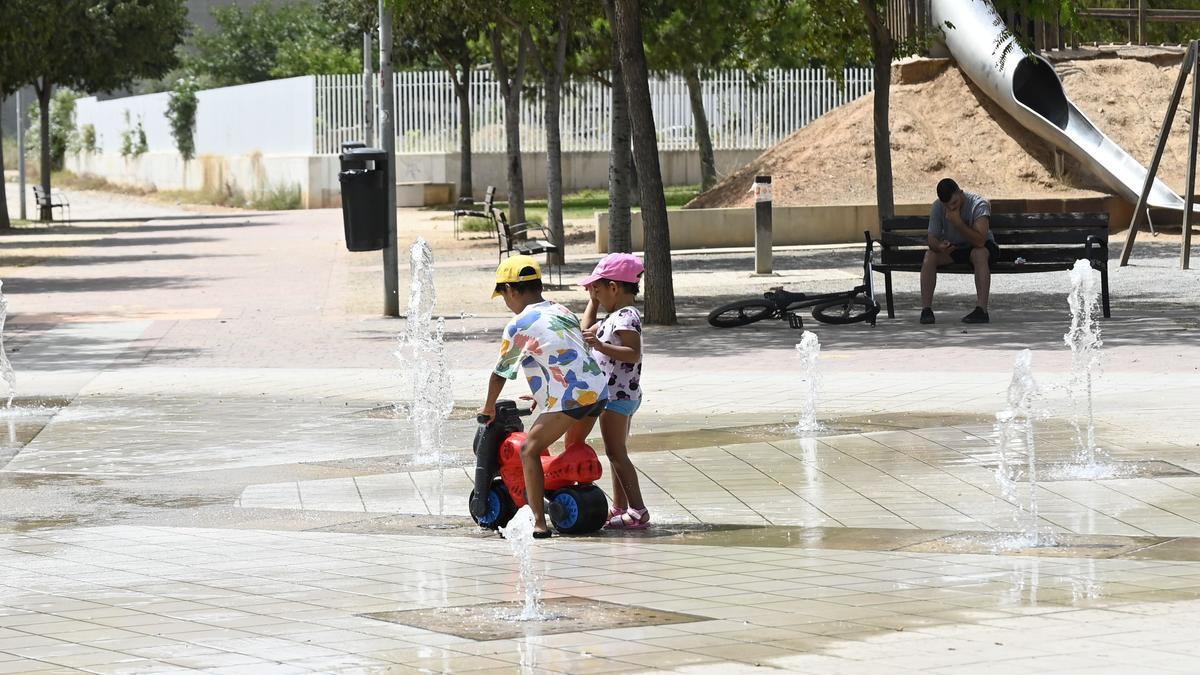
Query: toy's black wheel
500 507
579 509
846 310
741 313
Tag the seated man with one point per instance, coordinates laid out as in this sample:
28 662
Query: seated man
959 233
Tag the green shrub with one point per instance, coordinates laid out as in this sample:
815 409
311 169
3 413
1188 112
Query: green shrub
475 224
181 113
63 136
133 140
87 139
278 198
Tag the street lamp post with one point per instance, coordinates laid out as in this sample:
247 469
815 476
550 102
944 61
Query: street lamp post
387 133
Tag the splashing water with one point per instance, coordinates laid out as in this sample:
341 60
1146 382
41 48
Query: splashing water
422 353
519 535
1015 431
1084 340
808 350
6 369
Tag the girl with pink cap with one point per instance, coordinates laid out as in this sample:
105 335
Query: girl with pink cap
616 344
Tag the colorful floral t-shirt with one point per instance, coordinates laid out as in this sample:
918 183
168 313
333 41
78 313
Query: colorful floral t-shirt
624 379
547 342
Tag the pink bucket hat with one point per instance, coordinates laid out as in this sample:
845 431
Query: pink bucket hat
616 267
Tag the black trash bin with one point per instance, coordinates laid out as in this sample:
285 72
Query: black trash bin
363 180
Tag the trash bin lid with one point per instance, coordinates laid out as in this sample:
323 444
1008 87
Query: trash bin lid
363 154
352 144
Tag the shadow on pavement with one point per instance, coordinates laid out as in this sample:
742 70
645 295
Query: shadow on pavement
91 284
184 225
112 242
146 219
90 260
80 352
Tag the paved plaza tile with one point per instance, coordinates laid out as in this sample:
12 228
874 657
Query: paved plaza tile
217 479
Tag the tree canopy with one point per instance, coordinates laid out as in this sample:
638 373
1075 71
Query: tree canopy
268 41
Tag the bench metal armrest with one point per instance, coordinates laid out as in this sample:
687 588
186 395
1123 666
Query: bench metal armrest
524 228
1093 240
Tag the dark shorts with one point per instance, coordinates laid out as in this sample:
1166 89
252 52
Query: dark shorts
592 410
962 254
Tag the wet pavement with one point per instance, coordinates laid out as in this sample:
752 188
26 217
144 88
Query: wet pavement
210 474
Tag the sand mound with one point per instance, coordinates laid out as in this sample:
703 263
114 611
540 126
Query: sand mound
947 127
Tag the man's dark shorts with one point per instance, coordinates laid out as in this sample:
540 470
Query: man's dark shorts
592 410
962 254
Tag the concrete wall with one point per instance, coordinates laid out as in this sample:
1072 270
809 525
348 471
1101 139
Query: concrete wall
249 175
269 118
581 170
316 175
795 225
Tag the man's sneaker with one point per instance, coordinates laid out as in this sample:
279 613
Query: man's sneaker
927 315
978 315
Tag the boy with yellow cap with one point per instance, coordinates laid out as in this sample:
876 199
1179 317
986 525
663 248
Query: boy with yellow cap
545 339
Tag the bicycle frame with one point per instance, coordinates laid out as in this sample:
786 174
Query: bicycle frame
786 303
850 306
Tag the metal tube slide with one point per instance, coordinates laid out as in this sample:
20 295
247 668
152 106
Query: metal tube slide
1027 88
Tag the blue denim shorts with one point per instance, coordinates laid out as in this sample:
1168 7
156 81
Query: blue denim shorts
623 406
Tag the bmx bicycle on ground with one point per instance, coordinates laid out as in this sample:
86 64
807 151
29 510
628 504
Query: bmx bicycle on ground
574 503
852 306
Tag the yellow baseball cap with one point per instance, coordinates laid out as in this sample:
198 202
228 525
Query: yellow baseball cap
509 271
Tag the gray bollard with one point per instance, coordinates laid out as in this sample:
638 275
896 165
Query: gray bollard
762 226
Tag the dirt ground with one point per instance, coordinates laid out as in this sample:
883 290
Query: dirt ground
945 126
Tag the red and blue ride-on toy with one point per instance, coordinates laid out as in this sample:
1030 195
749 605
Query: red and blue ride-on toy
575 505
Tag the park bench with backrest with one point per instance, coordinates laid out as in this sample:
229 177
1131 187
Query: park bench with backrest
1029 243
489 199
53 200
516 238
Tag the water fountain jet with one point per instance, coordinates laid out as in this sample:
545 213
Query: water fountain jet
1083 338
519 535
808 351
6 369
1015 429
422 352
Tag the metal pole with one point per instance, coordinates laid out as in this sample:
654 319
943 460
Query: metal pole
1141 29
1189 62
1131 26
762 225
1186 254
368 93
387 132
21 153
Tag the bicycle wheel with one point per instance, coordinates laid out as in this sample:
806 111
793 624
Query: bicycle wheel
741 313
846 310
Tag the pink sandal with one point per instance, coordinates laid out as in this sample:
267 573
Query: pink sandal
631 519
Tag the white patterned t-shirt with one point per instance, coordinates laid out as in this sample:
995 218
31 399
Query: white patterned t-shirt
624 379
545 340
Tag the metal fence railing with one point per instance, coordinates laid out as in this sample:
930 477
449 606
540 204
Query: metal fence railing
743 113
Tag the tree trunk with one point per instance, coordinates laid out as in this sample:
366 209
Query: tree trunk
5 222
462 89
708 163
510 89
883 48
43 94
659 290
554 182
620 158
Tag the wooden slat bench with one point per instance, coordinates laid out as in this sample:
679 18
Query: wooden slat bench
1047 242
